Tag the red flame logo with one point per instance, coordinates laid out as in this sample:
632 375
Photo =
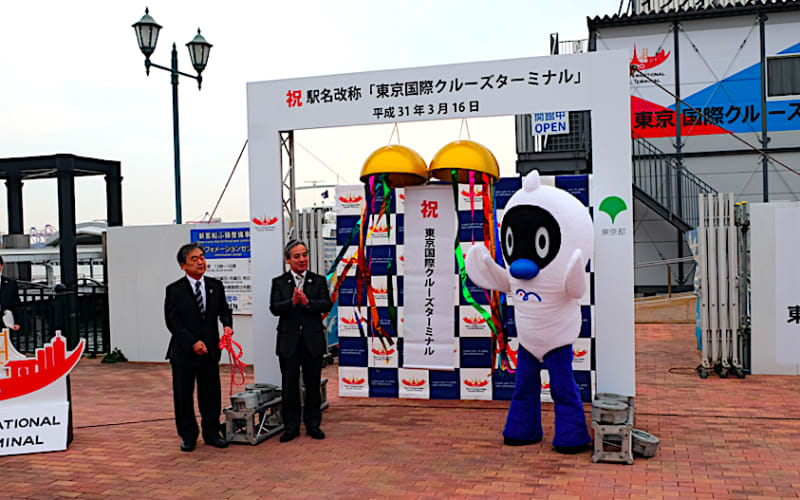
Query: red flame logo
353 381
350 199
402 258
474 320
478 192
383 352
646 62
545 386
379 291
579 354
414 382
379 229
263 221
352 321
476 383
403 197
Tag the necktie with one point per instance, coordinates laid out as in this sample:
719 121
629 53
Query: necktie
198 296
299 280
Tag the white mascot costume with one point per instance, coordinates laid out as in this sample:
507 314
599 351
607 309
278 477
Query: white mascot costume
547 240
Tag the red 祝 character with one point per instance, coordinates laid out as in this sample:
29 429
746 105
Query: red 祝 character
294 98
429 209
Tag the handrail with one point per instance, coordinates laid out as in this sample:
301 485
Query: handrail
677 260
669 185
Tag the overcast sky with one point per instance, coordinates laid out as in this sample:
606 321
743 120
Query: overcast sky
72 80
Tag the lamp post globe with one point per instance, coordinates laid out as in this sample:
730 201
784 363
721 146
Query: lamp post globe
199 50
147 35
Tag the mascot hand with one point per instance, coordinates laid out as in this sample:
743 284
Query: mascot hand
575 277
484 271
476 255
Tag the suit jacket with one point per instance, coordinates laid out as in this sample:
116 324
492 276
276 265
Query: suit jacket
187 325
299 321
9 299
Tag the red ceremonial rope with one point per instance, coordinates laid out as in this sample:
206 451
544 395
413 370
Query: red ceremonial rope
227 343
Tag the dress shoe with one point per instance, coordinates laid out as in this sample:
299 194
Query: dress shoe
217 442
288 436
187 446
315 433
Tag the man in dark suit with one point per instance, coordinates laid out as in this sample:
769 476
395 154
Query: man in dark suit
9 299
299 298
191 309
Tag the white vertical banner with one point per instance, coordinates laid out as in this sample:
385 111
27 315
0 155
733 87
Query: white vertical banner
787 292
429 299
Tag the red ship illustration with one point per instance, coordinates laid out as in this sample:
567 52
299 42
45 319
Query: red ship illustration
353 381
31 374
414 382
383 352
477 192
646 62
579 354
263 221
545 386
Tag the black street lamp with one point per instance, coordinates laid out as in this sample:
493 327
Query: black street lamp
147 36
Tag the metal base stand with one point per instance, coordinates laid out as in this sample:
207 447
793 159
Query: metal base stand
614 442
253 425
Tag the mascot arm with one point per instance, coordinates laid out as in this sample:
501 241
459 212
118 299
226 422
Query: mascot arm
484 271
574 278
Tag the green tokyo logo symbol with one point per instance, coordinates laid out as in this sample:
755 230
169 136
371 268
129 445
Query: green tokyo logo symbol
613 205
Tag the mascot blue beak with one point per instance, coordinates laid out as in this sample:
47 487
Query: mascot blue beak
524 269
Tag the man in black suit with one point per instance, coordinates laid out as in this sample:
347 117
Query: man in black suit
9 299
191 309
300 297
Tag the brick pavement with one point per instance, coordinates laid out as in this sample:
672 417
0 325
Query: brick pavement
720 438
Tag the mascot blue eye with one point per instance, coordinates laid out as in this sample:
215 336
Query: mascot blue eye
542 238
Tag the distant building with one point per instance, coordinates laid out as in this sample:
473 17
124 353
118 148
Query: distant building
710 54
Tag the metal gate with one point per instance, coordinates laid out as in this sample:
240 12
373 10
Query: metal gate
724 304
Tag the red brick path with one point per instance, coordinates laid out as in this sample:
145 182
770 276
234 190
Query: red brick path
720 438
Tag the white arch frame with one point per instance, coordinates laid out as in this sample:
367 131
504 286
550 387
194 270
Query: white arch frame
595 81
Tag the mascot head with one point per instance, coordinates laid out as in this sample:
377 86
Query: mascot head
542 227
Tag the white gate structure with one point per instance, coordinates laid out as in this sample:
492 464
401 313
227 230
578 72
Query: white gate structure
598 82
720 323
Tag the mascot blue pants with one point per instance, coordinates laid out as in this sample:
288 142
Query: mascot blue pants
524 422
